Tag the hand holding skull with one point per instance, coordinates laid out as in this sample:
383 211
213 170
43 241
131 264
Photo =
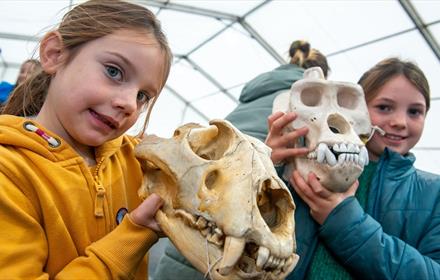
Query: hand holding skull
278 139
320 200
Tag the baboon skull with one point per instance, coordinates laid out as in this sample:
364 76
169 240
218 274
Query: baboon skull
337 117
225 209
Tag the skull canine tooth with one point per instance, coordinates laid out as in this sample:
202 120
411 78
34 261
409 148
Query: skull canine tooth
263 256
320 152
233 250
330 157
364 155
291 261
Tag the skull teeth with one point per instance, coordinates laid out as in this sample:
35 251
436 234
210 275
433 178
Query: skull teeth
340 154
234 247
267 261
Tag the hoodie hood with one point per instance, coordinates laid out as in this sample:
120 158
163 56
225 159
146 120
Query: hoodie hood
15 131
281 78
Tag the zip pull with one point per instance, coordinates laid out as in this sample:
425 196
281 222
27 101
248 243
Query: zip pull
99 198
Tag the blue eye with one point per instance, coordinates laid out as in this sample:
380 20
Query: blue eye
114 72
142 97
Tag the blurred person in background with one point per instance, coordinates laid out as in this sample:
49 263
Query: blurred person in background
28 67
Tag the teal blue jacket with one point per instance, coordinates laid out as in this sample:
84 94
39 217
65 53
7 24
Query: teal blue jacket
397 236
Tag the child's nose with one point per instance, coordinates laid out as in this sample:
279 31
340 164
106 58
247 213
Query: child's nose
126 101
399 120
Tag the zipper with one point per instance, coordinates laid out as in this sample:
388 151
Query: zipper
100 191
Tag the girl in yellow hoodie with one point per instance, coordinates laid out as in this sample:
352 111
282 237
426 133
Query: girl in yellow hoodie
68 175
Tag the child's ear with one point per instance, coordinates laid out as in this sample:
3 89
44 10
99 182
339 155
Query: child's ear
52 52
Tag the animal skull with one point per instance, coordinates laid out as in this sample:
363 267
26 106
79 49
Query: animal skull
225 209
339 124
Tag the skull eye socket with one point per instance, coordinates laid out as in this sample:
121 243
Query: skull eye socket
311 96
347 98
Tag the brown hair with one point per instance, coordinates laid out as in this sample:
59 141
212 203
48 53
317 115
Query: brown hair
305 57
86 22
373 80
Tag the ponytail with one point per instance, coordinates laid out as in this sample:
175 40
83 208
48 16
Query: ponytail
304 56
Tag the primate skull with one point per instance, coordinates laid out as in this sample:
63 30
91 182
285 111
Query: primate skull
337 117
225 208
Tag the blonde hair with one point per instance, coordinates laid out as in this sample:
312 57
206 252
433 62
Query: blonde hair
305 57
86 22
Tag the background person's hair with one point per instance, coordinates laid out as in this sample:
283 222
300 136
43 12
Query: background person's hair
305 57
377 76
86 22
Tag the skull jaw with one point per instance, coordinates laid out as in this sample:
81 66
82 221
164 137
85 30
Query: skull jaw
338 178
195 247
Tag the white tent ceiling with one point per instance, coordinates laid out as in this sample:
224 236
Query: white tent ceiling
221 44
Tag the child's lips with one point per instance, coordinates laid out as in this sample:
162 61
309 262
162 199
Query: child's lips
109 121
394 137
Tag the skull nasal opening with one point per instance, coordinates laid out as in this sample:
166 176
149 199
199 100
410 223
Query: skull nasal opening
337 124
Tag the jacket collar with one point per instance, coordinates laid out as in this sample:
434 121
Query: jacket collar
398 164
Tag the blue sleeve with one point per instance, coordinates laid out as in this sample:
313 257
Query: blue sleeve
360 244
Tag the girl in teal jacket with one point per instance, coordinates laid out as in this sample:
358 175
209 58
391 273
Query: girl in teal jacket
390 229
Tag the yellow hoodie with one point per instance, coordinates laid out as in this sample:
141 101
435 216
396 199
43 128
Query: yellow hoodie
59 217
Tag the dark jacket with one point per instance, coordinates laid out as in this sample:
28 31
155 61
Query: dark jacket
257 96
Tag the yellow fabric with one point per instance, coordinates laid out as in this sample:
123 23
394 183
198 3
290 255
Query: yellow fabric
49 226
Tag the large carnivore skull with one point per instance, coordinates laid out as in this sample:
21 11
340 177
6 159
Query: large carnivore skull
337 117
225 209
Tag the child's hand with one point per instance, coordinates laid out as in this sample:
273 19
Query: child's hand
320 200
278 141
144 214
